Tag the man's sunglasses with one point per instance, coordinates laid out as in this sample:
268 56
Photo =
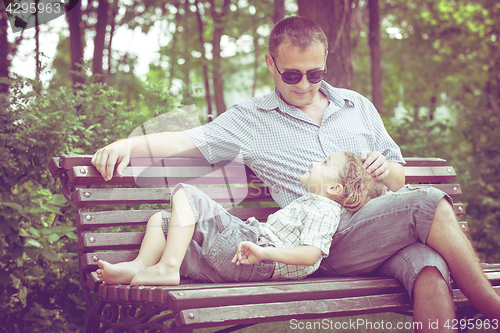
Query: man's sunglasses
294 77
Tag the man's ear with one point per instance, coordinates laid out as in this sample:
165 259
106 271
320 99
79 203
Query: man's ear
269 62
335 189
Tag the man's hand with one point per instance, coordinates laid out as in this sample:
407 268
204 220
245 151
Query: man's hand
106 158
248 253
376 165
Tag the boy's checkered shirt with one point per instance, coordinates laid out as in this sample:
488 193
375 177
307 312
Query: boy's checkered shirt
309 220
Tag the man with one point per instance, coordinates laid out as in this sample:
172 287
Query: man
306 119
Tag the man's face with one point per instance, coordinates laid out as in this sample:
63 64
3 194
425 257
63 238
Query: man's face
290 58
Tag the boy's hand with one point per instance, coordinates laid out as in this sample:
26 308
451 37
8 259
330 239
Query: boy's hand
248 253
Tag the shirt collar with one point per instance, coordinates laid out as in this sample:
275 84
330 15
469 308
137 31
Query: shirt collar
309 196
273 101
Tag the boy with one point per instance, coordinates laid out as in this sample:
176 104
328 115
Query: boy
206 243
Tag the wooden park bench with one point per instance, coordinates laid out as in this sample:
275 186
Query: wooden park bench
115 233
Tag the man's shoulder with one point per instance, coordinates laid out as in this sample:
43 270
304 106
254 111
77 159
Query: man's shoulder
334 93
265 102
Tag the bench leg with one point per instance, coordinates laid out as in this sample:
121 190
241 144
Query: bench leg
109 316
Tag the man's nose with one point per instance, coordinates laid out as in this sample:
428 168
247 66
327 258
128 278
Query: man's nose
304 83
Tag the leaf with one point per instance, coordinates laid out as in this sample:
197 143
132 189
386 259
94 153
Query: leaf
53 238
23 294
23 233
18 207
34 232
51 255
32 242
58 200
72 235
61 229
51 208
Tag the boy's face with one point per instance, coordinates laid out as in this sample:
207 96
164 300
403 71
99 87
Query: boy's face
323 174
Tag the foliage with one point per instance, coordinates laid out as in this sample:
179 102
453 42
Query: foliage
441 72
39 283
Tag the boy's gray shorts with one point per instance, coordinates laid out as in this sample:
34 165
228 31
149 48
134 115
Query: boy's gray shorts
388 236
216 237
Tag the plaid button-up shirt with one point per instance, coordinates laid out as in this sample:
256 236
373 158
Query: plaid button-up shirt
308 220
279 141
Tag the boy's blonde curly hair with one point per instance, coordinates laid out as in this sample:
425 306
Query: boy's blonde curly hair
359 186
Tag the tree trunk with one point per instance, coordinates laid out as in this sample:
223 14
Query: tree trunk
334 17
376 56
99 39
4 50
279 10
74 18
220 22
256 52
204 63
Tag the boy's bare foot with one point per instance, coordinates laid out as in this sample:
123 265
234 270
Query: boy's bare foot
121 273
157 275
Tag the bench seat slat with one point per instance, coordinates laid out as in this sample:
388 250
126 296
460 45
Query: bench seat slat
278 293
160 294
281 311
309 309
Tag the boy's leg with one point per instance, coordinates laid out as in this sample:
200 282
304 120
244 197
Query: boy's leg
446 237
179 235
152 247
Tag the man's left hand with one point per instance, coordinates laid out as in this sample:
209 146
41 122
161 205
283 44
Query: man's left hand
376 165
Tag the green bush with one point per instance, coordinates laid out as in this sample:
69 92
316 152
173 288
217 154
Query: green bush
39 282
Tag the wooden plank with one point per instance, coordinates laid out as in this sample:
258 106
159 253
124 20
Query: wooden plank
86 220
464 226
458 208
54 168
69 161
159 294
162 176
443 174
424 161
453 190
280 311
161 195
89 260
189 299
110 241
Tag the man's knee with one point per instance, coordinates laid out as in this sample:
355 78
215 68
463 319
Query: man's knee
444 211
430 281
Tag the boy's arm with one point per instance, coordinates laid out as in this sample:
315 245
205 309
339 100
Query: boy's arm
250 253
159 144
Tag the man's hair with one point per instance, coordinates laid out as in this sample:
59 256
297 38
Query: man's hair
299 31
359 186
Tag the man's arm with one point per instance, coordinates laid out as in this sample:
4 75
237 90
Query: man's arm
392 173
250 253
165 144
